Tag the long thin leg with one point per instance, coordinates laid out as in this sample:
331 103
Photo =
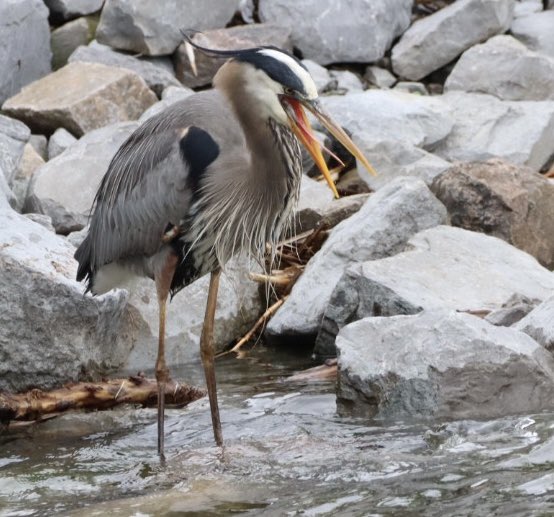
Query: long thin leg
163 283
207 354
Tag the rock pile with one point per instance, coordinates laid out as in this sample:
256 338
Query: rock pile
435 290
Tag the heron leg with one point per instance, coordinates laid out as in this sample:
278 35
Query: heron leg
163 284
207 354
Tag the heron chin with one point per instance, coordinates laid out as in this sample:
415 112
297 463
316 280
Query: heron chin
212 176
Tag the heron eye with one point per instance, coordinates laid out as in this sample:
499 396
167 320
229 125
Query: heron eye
288 91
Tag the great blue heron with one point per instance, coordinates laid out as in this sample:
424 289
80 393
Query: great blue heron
211 176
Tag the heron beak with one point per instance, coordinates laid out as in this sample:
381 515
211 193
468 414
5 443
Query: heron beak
303 130
339 133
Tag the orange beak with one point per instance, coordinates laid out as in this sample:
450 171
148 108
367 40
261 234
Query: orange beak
301 127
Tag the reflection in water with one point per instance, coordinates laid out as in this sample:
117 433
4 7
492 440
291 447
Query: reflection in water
287 453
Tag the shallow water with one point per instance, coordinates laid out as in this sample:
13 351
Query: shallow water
287 453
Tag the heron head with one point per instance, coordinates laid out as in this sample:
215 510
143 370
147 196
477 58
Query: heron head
284 88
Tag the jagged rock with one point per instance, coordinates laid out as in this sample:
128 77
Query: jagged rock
539 324
25 44
321 76
51 333
380 77
238 307
154 28
315 199
440 364
81 97
346 81
504 67
507 201
513 310
327 32
435 40
392 159
7 197
536 31
60 140
443 267
62 10
381 228
30 162
486 127
342 208
389 115
40 145
64 188
232 38
176 95
13 137
157 72
527 7
43 220
67 38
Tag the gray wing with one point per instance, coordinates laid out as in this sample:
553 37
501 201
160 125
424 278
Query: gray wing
150 182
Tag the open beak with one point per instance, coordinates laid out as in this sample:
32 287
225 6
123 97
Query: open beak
303 130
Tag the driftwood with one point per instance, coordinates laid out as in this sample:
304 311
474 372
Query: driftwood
36 404
323 373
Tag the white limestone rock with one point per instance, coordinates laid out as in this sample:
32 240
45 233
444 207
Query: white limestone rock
536 31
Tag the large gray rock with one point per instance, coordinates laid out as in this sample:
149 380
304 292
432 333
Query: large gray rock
64 188
67 38
154 28
25 44
13 137
81 97
329 32
315 199
238 306
156 72
504 67
60 140
379 77
170 96
485 127
321 76
441 364
443 267
539 324
384 115
507 201
50 333
536 31
527 7
7 197
381 228
435 40
233 38
30 162
61 10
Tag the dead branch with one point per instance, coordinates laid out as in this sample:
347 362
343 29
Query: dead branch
324 372
36 404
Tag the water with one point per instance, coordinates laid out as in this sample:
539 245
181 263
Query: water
287 453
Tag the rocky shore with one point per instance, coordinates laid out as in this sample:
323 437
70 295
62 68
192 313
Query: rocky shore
434 285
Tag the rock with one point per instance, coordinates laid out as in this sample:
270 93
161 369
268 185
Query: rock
440 364
435 40
536 31
513 310
238 307
380 77
315 199
330 32
64 188
76 238
321 76
411 87
443 267
63 10
527 7
511 202
232 38
156 72
342 208
7 197
43 220
81 97
346 81
154 28
381 228
30 162
68 37
389 115
13 137
539 324
60 140
52 333
486 127
504 67
392 159
247 10
25 44
176 95
40 145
